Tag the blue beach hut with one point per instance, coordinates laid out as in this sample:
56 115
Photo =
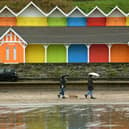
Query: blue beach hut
76 17
77 53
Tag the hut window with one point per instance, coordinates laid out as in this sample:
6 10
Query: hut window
7 53
8 37
14 53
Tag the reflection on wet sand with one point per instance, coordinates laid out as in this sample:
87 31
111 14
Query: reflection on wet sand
65 117
10 119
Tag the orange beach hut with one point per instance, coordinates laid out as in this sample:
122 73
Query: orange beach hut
12 47
7 17
120 53
116 17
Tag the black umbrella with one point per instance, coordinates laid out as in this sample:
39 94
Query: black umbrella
63 76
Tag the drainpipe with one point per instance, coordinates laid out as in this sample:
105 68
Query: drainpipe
109 52
67 54
88 53
45 46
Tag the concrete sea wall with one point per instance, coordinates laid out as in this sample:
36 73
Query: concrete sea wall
75 71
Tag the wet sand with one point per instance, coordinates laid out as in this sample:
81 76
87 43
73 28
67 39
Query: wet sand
41 96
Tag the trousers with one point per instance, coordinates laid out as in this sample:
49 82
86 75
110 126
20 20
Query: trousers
90 92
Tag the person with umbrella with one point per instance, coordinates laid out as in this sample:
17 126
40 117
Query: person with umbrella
90 85
62 86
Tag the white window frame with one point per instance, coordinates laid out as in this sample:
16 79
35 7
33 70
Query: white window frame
14 53
7 53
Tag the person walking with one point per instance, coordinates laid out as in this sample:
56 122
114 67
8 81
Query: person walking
62 86
90 87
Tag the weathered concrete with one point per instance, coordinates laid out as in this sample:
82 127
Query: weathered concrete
78 71
71 85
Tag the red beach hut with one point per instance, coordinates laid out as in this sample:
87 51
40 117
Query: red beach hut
96 17
99 53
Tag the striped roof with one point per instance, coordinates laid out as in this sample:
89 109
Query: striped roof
71 34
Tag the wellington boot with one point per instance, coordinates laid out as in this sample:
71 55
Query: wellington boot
93 97
85 96
63 97
58 96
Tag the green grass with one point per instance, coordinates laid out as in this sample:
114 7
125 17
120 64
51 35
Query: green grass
45 5
67 5
105 5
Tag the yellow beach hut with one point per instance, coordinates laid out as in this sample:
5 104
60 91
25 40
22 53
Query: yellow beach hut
31 15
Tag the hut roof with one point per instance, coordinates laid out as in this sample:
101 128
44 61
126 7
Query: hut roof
71 35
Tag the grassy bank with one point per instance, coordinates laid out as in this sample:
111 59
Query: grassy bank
105 5
45 5
67 5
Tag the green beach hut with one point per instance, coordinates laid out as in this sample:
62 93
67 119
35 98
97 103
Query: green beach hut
56 17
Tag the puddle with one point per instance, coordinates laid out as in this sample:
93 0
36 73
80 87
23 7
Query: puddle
65 117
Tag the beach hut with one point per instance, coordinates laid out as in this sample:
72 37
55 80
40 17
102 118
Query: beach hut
120 53
116 17
56 54
56 17
31 15
35 53
98 53
7 17
12 47
96 17
127 20
77 53
76 17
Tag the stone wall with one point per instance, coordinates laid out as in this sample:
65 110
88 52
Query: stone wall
79 71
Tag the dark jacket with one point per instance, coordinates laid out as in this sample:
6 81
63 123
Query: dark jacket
62 82
90 83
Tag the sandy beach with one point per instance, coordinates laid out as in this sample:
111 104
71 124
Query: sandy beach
40 96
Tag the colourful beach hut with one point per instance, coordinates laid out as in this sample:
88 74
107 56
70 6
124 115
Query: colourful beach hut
76 17
127 20
116 17
77 53
35 53
96 17
56 17
31 15
7 17
99 53
120 53
12 47
56 54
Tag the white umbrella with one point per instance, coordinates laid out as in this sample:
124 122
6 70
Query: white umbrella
94 74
